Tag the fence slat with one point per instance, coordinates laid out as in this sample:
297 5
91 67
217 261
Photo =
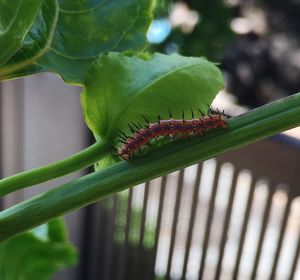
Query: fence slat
92 253
209 220
262 232
281 236
295 259
244 229
175 221
124 252
140 266
158 224
226 223
192 220
110 241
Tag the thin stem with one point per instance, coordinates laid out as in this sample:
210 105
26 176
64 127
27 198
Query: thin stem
245 129
42 174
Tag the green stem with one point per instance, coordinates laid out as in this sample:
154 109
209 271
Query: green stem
42 174
245 129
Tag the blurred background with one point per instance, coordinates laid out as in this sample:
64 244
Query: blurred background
233 217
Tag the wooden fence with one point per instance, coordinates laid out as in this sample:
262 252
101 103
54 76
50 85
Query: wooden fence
233 217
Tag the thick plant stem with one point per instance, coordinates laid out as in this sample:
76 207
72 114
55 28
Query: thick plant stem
245 129
42 174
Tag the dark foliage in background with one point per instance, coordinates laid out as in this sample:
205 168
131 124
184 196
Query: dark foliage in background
209 36
259 65
213 33
264 67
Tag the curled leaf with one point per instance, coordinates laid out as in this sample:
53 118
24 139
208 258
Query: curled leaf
119 88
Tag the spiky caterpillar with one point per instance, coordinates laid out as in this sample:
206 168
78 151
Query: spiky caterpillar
171 127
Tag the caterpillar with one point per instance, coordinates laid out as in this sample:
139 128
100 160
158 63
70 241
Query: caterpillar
172 127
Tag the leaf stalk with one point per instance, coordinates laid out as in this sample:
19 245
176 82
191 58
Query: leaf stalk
245 129
83 159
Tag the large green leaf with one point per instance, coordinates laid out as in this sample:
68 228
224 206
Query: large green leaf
83 30
37 254
35 44
121 87
16 19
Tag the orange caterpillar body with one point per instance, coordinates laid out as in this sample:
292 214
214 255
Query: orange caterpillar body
171 127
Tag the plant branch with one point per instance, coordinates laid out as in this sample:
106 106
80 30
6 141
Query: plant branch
42 174
245 129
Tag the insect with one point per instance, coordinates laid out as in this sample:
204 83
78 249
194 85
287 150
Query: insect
168 128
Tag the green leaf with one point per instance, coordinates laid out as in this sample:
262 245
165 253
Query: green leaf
37 254
16 19
121 87
35 44
83 30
